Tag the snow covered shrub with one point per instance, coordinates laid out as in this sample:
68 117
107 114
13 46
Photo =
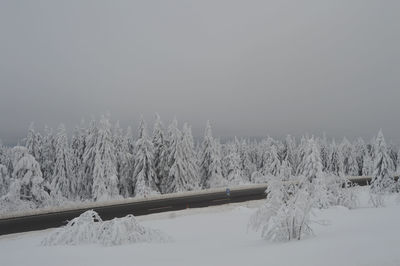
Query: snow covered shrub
127 230
80 230
342 192
89 228
286 213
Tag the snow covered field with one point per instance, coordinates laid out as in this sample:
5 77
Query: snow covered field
219 236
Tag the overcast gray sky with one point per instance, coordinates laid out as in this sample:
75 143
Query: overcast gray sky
254 68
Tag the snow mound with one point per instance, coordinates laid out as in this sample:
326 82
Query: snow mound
89 228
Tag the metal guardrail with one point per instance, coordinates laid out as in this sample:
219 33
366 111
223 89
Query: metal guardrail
43 219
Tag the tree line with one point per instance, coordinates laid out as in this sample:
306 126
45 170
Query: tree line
101 161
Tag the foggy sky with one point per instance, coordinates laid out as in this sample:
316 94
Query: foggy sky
253 68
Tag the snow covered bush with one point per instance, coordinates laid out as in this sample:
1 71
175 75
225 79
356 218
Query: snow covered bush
127 230
80 230
342 192
285 214
89 228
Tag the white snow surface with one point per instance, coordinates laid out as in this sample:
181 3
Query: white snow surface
219 236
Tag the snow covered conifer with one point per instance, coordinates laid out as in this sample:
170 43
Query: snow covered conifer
124 161
360 151
234 173
160 150
105 181
335 160
398 162
210 161
78 146
350 166
27 178
34 143
4 180
182 174
324 151
88 160
144 175
285 170
290 152
48 154
190 155
247 166
273 162
382 180
311 169
64 181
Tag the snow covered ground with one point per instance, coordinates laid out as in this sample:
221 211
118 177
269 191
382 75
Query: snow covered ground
219 236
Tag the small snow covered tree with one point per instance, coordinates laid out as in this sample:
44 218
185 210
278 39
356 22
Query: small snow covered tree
64 181
285 214
210 161
144 175
382 180
311 169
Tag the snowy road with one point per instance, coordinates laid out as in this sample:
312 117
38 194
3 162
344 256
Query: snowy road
218 236
50 218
